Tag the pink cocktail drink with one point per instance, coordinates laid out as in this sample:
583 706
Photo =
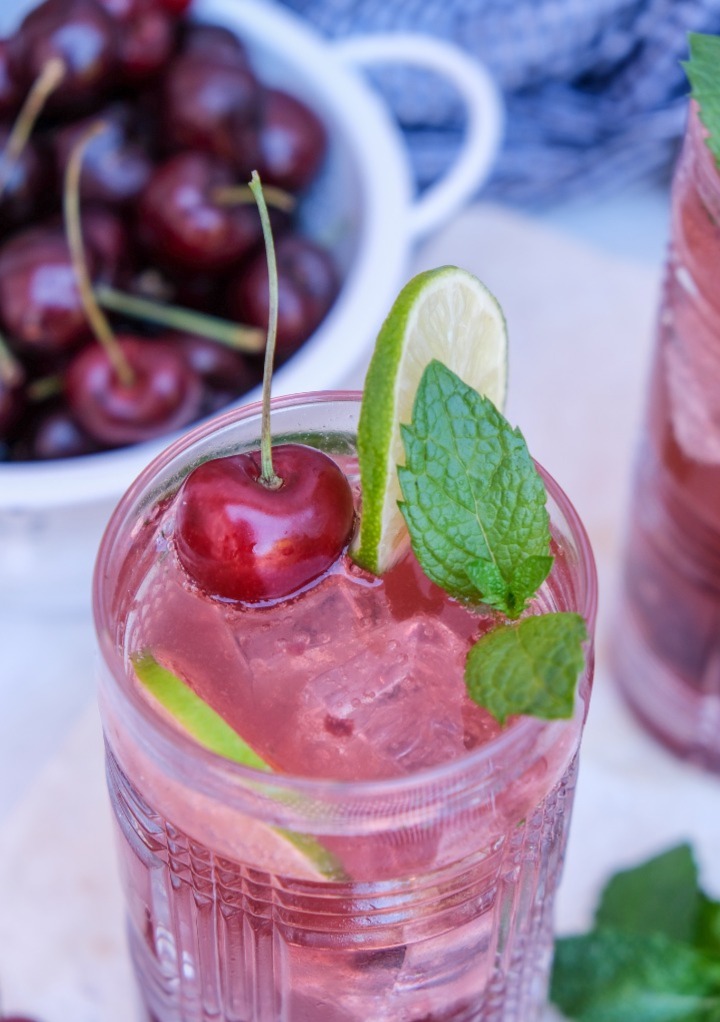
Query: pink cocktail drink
668 636
400 861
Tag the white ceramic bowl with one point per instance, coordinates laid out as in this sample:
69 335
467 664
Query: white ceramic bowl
52 514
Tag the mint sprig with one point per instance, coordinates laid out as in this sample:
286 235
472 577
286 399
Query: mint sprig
472 499
653 954
703 71
530 667
474 504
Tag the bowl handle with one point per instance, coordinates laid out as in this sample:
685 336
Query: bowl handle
483 104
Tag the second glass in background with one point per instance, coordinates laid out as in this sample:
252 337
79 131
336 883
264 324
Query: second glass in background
667 639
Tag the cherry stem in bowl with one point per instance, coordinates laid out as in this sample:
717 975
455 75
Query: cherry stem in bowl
11 372
43 388
267 475
232 195
241 338
73 227
43 86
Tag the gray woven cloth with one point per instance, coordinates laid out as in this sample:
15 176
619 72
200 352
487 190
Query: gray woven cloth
596 96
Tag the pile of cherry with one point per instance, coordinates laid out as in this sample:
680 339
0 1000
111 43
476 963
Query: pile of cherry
185 120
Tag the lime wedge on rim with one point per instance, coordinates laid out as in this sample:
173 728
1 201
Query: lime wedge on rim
445 314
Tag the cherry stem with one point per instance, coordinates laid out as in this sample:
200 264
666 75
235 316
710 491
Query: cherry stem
73 227
241 338
238 195
43 388
267 474
11 371
45 84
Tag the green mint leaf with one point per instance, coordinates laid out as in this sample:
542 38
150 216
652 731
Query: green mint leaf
528 667
707 932
611 976
487 579
193 714
661 895
473 500
703 71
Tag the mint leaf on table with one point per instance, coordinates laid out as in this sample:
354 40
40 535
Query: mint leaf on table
611 976
473 500
528 667
707 931
703 71
661 895
654 952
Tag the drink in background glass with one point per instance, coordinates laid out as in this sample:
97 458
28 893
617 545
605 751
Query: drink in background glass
667 642
402 863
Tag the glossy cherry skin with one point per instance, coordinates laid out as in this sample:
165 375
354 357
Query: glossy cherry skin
307 284
146 34
293 142
213 105
180 223
239 540
28 188
79 32
116 167
164 395
40 305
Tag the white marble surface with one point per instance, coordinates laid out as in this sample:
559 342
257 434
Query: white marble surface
579 287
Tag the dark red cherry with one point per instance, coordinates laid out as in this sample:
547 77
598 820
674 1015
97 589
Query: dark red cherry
214 43
27 191
307 283
116 167
164 395
52 432
107 239
11 95
81 33
293 142
175 6
213 106
40 305
145 34
226 374
180 223
11 406
240 540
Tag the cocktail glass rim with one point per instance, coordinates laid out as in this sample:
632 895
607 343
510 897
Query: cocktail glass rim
211 770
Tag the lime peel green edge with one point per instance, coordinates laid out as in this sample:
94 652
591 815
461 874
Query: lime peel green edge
375 435
193 714
212 732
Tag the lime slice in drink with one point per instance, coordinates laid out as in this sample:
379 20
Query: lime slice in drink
445 314
279 850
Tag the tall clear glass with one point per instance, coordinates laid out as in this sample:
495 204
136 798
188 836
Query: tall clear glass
255 897
667 640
